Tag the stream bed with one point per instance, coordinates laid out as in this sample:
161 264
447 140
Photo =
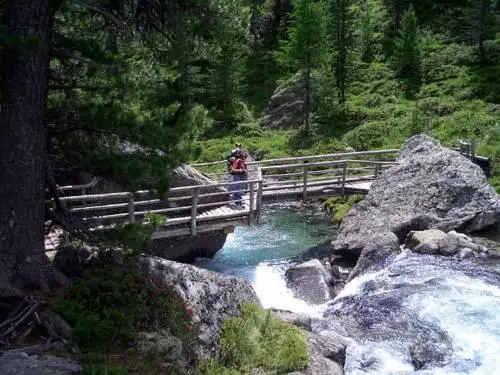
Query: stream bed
422 314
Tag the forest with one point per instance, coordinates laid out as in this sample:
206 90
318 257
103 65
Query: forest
129 89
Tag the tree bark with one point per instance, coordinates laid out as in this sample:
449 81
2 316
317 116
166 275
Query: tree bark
24 77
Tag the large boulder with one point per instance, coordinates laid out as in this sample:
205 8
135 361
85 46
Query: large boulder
286 106
435 241
430 187
376 253
19 363
210 296
310 282
326 353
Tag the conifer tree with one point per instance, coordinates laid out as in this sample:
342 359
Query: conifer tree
306 47
341 24
229 50
406 52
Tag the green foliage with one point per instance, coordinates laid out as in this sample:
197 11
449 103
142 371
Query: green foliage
104 370
305 49
135 237
109 306
257 340
406 52
339 206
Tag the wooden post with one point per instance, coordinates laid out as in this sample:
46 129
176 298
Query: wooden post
131 208
472 149
259 200
250 209
377 168
64 206
344 173
194 210
304 188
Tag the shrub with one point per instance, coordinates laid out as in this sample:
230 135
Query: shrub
339 206
112 304
257 340
135 237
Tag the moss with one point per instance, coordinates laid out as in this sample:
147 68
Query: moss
257 340
339 206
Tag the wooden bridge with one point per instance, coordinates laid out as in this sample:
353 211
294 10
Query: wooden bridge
191 210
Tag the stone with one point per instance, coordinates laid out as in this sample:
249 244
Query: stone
434 241
211 297
375 253
327 355
286 106
303 321
73 260
416 238
188 248
20 363
429 187
310 281
427 354
165 346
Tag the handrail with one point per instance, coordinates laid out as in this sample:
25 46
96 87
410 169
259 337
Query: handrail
301 158
335 174
88 185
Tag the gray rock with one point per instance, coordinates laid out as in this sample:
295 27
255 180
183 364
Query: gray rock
310 281
185 175
466 253
188 248
434 241
373 256
427 354
303 321
327 355
74 260
24 364
286 106
430 187
210 296
163 345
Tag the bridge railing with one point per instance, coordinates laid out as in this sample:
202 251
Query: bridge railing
337 174
183 205
208 167
192 205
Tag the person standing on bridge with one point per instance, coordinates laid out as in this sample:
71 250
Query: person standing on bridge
238 174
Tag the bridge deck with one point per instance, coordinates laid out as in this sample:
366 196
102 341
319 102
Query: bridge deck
228 216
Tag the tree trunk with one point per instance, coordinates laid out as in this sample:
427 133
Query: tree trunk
24 78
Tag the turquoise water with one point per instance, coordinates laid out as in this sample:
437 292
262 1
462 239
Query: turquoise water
261 253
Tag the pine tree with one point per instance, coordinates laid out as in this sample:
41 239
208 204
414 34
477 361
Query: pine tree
306 47
406 53
228 56
341 25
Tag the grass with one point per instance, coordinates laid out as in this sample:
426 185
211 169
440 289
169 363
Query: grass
257 340
339 206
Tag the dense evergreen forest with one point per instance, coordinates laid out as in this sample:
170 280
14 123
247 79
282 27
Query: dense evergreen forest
128 89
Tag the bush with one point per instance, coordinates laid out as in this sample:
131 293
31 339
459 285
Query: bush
339 206
257 340
135 237
112 304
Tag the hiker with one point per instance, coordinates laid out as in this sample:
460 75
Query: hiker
238 174
231 158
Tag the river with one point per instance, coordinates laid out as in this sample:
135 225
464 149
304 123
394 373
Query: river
420 315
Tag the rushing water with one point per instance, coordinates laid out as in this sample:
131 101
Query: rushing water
262 253
422 314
